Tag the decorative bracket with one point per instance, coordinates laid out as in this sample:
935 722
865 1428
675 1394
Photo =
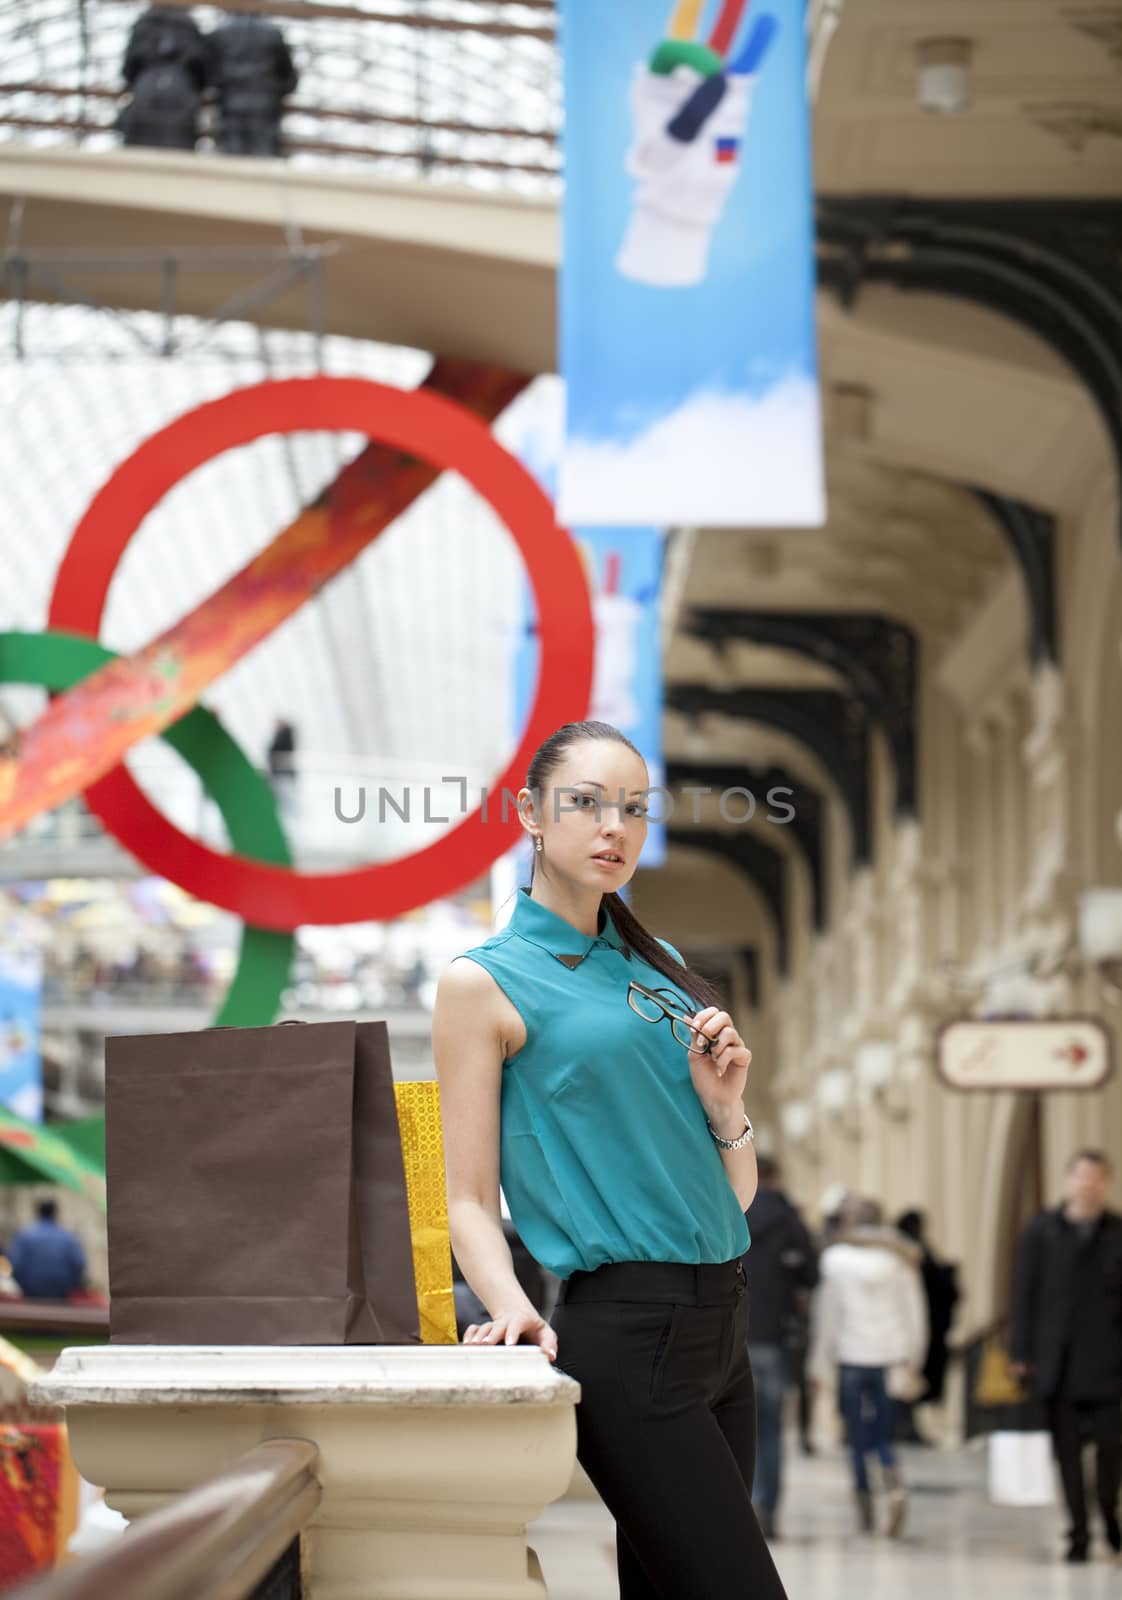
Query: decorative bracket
877 656
808 804
831 725
1031 535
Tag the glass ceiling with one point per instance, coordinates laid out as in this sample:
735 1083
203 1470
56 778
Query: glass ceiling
399 670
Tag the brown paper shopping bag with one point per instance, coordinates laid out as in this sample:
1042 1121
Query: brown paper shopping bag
256 1190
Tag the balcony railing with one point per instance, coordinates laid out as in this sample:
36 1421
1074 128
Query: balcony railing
452 90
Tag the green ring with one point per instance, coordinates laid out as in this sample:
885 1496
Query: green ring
56 660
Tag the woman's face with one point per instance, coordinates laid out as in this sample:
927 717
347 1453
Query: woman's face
593 815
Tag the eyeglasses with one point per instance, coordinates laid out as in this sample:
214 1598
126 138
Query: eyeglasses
653 1005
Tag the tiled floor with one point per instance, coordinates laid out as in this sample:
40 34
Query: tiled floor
957 1544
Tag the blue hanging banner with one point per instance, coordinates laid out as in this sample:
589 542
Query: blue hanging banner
21 1075
687 283
624 568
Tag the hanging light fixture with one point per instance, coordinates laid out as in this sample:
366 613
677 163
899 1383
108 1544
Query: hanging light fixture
944 74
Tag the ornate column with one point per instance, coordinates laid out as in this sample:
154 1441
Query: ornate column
1010 801
830 986
981 822
872 1072
917 1095
862 930
802 1147
794 1025
922 888
839 1121
1050 753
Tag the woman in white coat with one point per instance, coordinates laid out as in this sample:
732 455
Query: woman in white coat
870 1321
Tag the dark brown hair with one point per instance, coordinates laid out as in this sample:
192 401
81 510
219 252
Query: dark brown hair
1099 1158
544 764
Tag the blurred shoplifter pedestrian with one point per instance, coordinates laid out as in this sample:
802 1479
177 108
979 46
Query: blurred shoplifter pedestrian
1066 1335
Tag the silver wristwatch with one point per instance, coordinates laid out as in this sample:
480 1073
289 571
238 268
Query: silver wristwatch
733 1144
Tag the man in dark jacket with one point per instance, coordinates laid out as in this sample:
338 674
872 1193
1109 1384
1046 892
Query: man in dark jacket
1067 1334
165 67
252 70
780 1263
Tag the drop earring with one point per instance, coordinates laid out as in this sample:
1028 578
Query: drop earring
538 844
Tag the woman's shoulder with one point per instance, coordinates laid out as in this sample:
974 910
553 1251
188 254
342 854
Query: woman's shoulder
467 988
469 969
478 954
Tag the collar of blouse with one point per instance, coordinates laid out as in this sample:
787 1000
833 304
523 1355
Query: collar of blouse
535 923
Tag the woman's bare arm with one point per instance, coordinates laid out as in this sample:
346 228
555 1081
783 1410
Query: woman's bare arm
471 1027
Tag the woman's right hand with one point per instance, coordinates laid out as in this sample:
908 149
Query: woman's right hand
514 1327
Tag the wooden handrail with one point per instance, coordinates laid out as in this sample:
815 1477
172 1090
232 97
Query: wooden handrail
214 1543
48 1316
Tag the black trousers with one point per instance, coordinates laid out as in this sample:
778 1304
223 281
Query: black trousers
1073 1423
666 1425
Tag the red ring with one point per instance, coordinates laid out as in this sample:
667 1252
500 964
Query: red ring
426 425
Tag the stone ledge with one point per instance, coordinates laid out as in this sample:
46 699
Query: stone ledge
316 1375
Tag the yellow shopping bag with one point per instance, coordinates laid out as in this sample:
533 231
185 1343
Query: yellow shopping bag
997 1384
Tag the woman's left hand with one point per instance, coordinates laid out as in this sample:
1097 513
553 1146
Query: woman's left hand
719 1074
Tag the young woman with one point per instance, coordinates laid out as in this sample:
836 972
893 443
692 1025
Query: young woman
583 1066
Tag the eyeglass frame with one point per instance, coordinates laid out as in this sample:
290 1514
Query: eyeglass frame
671 1015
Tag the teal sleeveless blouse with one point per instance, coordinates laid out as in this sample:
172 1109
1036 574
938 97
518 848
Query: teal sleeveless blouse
604 1150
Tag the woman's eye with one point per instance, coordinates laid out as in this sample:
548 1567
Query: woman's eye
637 810
585 800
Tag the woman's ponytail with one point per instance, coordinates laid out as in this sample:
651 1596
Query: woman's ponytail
646 945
